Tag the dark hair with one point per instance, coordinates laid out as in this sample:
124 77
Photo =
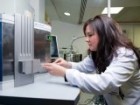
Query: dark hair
111 37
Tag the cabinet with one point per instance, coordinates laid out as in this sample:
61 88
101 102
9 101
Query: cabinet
132 32
137 35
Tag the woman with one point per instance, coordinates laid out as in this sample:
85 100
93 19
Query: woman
114 58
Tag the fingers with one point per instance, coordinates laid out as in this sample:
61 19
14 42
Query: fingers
47 66
54 69
58 60
51 68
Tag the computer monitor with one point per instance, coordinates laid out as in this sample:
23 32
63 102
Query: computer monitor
54 47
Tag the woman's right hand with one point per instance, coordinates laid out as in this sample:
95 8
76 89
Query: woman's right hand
62 62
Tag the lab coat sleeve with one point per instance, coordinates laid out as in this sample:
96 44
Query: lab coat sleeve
118 72
86 65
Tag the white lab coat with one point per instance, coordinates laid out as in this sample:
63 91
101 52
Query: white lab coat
122 72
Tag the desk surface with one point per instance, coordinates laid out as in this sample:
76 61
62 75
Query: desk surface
46 90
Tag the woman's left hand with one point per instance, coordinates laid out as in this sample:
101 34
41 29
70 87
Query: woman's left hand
55 69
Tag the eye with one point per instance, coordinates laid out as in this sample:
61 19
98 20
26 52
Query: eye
89 34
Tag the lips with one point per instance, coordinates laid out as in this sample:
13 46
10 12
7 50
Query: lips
89 44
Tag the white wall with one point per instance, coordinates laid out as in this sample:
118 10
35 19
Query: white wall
39 10
34 7
7 6
15 6
66 32
42 11
22 6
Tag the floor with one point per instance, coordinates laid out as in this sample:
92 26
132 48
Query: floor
86 99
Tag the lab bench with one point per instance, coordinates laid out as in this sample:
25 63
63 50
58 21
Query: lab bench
46 90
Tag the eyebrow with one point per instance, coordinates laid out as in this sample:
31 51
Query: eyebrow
90 32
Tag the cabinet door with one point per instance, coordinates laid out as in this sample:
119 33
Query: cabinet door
137 35
128 31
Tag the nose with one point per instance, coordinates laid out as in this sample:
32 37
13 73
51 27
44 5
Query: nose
87 39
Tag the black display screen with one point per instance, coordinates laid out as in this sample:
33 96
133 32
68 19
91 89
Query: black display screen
54 47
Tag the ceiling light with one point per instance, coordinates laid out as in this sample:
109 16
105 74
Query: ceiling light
113 10
67 13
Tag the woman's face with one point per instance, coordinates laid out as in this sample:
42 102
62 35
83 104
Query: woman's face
91 38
